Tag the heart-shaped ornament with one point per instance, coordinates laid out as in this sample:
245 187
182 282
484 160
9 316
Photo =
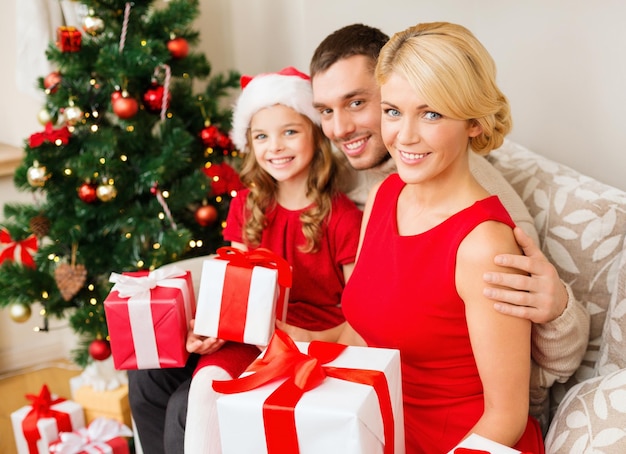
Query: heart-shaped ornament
70 279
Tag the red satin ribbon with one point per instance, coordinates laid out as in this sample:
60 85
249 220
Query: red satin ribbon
304 372
50 134
41 408
26 245
260 257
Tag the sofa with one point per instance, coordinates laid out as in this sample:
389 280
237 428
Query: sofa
581 224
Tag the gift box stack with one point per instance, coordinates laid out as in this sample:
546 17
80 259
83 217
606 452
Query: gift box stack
148 315
295 392
37 425
242 294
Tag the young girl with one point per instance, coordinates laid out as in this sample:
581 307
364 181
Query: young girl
292 206
465 366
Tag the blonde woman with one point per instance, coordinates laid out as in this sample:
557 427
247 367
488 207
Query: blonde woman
465 366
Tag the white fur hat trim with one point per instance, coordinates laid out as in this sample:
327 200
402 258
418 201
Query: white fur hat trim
288 87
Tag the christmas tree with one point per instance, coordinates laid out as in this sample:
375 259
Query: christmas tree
133 168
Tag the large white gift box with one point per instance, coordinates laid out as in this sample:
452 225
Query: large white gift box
337 416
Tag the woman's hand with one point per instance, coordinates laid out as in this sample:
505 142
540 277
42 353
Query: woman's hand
200 344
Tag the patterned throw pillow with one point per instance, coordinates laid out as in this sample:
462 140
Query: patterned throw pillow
591 418
613 346
581 224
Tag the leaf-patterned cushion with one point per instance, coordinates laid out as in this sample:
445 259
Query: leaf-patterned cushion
581 224
591 418
613 346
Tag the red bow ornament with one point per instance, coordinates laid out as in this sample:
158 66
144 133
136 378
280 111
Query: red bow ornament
22 249
303 372
60 136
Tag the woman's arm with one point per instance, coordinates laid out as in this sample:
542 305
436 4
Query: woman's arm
501 343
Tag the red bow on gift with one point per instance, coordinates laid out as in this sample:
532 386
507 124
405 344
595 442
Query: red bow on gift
41 408
258 257
304 372
249 259
51 135
26 248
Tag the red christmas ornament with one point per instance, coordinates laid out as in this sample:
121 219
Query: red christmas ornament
52 81
117 94
206 215
153 97
178 47
210 136
224 179
87 192
68 39
224 142
99 349
124 106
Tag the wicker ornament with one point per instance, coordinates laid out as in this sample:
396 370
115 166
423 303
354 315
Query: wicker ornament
70 279
40 225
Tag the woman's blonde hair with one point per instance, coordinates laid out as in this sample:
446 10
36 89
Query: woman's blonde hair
322 186
454 73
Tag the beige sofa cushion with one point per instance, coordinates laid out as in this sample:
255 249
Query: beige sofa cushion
613 345
581 224
591 418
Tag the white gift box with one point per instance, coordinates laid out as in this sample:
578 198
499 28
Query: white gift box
246 317
47 427
338 416
481 443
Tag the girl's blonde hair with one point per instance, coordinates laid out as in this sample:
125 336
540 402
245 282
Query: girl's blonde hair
453 71
322 186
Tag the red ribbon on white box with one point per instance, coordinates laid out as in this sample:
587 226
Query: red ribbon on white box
137 290
92 439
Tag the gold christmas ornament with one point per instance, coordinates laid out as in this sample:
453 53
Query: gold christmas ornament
93 25
106 192
19 312
37 175
44 117
72 114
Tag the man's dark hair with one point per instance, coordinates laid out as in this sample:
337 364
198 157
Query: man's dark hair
355 39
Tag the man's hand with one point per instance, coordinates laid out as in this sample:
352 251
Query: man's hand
200 344
539 297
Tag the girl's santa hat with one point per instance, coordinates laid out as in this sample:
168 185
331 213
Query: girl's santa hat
288 87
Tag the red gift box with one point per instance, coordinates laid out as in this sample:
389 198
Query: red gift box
241 294
36 425
68 39
103 435
351 395
148 315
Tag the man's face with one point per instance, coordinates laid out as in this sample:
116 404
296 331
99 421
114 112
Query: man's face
348 99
